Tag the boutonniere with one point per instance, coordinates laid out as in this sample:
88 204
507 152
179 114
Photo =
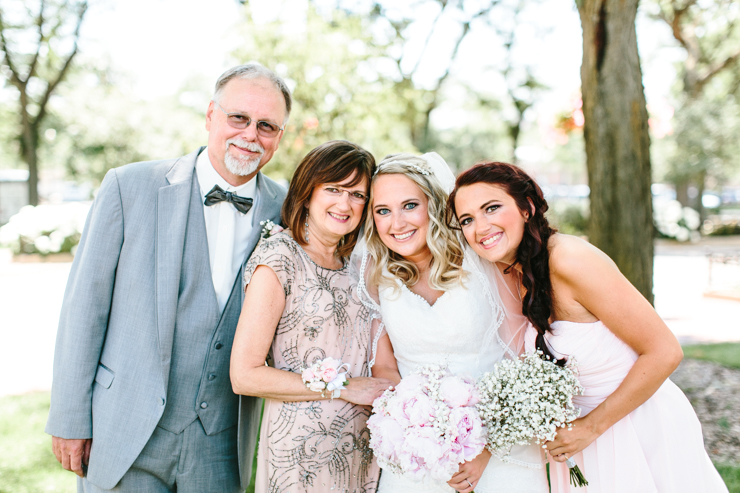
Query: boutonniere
267 228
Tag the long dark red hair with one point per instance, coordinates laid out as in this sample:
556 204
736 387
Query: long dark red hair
532 254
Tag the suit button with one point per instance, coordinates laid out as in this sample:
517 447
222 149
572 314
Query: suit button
203 405
211 377
219 345
161 401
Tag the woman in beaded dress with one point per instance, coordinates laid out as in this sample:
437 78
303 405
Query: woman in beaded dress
300 307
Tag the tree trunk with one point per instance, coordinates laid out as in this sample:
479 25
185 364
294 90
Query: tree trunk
617 141
682 193
30 156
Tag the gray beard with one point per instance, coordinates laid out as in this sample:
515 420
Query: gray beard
241 167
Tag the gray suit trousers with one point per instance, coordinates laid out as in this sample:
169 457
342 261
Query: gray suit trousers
188 462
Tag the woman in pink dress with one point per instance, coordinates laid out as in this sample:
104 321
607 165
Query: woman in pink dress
301 307
637 431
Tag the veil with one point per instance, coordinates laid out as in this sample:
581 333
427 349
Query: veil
507 323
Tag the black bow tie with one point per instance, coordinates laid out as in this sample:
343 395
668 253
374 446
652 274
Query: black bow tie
217 194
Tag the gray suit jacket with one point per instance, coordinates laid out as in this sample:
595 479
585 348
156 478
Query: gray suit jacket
118 316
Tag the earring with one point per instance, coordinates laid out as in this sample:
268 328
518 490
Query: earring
306 225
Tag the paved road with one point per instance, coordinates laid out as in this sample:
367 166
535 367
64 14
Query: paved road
31 297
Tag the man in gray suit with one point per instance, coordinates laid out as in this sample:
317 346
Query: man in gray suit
141 398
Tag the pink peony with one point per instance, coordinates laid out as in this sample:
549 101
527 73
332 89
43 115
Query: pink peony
330 362
457 392
411 384
308 375
425 445
419 410
329 374
427 426
317 386
386 436
470 434
396 409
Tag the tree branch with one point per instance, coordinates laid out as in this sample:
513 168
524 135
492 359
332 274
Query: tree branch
713 71
62 72
14 76
40 25
429 36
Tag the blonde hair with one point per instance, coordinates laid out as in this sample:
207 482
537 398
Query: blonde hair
447 254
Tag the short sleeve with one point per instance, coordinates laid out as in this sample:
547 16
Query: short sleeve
280 253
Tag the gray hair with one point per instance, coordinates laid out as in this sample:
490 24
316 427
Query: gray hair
254 70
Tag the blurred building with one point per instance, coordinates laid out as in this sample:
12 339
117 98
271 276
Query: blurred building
13 192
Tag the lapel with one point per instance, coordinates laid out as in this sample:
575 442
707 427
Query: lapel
264 209
173 206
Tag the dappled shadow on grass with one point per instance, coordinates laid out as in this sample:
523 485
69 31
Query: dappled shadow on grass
27 464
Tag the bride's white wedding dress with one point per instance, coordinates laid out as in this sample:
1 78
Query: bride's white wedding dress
461 330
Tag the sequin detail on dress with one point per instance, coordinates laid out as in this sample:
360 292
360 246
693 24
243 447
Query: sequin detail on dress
316 446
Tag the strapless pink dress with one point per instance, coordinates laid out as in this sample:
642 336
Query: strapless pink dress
657 448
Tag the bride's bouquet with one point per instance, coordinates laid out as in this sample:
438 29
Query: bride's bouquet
529 399
428 425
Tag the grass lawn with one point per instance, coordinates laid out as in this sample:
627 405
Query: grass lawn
26 462
726 353
731 475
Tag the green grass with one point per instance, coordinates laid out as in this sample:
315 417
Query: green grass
726 353
731 475
27 464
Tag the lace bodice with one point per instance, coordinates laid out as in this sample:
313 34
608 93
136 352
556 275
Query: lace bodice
458 329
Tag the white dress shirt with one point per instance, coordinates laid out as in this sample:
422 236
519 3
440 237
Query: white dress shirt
226 228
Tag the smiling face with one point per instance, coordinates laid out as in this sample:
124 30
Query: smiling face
238 154
491 221
333 211
400 214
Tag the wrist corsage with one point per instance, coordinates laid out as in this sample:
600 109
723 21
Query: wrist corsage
325 376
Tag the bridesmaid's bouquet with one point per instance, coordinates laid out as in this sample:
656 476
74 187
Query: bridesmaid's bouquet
529 399
428 425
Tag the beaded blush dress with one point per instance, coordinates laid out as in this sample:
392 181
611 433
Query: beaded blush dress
314 446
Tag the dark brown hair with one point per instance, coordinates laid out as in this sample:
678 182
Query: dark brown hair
331 162
532 254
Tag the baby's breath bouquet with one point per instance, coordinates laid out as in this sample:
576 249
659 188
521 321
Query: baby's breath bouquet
527 399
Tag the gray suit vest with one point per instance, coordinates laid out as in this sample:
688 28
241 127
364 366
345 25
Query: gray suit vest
199 384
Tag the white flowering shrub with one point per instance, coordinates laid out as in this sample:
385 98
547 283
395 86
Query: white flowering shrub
675 221
45 229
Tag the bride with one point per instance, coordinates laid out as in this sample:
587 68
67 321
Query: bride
436 306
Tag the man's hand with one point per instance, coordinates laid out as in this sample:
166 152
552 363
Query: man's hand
72 453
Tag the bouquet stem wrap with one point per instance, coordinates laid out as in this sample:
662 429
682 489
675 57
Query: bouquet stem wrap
576 476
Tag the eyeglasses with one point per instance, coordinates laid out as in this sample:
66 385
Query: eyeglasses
354 196
237 120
